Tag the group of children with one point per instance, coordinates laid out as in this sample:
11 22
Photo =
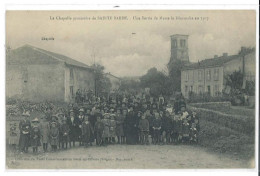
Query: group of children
139 122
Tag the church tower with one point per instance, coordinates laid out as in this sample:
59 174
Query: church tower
179 48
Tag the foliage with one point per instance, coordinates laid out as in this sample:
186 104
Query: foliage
157 81
235 82
102 83
205 97
129 85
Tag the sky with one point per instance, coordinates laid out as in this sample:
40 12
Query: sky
128 43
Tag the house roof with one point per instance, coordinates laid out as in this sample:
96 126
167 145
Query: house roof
213 62
56 56
112 75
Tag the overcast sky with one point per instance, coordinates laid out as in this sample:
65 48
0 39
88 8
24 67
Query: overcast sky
130 47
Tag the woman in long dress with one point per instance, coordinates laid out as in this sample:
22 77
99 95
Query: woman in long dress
131 127
45 133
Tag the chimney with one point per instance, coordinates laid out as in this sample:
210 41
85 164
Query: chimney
215 56
225 54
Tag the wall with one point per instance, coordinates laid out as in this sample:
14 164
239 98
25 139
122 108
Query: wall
115 82
82 79
237 64
250 66
37 82
194 80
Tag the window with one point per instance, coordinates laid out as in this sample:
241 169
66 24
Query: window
209 90
186 76
216 90
216 74
71 91
200 89
183 43
208 73
191 88
200 75
71 73
186 90
174 43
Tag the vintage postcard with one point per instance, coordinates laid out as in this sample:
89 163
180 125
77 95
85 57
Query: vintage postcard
130 89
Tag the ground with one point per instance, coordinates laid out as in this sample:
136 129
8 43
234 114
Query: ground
127 157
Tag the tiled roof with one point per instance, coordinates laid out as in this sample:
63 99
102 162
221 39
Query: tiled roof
57 56
213 62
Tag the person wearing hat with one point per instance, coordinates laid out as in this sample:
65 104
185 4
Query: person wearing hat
112 128
157 125
35 135
54 135
99 130
119 125
166 128
45 133
74 128
48 113
144 130
25 128
106 123
81 119
64 134
13 135
131 127
87 131
60 116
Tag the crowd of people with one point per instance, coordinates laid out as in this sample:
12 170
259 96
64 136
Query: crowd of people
125 119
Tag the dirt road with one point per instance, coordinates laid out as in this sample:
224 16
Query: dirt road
127 157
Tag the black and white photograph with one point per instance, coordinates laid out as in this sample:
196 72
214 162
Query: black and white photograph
130 89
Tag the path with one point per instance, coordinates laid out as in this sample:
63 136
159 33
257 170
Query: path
128 157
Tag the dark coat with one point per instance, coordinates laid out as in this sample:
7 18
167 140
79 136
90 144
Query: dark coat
166 124
87 131
157 123
74 129
119 125
131 123
143 125
64 132
54 134
25 128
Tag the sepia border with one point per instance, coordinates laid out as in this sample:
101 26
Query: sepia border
240 6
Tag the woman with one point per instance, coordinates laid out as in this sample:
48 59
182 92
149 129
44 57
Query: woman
25 128
131 127
45 132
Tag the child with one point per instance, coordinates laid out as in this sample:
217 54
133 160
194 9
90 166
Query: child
81 119
167 127
119 126
175 129
54 135
86 130
193 134
106 123
45 133
144 130
157 125
64 134
13 137
35 135
98 131
112 129
185 131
